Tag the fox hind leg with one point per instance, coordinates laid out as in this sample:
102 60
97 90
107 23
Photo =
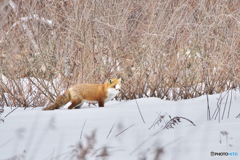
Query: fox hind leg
75 103
79 106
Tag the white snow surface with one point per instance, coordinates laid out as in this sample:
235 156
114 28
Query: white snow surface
33 134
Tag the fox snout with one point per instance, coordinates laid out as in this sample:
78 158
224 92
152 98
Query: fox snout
117 87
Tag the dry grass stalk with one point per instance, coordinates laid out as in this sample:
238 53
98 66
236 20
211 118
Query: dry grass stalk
167 122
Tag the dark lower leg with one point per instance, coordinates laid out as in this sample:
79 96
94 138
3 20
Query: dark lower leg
101 103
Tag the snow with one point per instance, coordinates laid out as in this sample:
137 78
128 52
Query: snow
44 135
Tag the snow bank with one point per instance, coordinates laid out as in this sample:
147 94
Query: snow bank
121 132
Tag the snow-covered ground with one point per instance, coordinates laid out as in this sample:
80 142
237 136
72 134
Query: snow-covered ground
120 131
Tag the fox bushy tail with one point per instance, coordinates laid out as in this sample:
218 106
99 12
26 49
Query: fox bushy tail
61 100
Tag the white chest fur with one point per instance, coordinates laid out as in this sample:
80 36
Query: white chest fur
112 92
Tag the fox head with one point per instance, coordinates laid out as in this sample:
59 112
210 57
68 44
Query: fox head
114 84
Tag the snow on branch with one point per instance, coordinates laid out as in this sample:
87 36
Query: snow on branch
25 19
25 27
36 17
13 5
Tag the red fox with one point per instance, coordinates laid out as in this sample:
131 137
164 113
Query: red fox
80 93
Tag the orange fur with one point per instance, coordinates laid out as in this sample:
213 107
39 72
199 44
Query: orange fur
80 93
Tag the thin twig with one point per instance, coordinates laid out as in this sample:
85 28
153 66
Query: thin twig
238 116
208 109
225 104
139 111
2 145
82 129
124 130
230 105
111 129
11 111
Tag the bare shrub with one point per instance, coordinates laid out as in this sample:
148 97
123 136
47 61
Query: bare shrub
172 49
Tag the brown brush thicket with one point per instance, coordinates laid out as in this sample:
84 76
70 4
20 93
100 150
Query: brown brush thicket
171 49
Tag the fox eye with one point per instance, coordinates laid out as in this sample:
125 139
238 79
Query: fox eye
110 81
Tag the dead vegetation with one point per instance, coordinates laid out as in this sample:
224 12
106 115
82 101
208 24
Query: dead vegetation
173 49
165 121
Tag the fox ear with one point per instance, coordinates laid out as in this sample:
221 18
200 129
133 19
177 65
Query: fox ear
110 81
119 80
